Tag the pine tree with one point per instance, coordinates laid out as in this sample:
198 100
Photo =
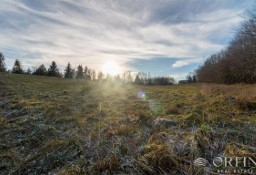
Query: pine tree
87 73
2 64
69 72
93 75
150 81
137 79
100 75
194 79
17 67
53 70
129 77
28 71
189 79
79 72
41 70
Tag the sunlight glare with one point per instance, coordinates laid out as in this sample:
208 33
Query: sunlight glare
111 68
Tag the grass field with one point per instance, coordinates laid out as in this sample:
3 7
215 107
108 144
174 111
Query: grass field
54 125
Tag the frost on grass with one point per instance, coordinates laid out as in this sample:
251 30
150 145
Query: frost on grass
79 127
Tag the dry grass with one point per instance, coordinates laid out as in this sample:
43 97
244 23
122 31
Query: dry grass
52 125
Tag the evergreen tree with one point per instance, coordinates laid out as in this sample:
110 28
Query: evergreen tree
28 71
137 79
41 70
79 72
100 75
87 73
17 69
129 77
53 70
69 72
93 75
194 80
2 64
189 79
89 77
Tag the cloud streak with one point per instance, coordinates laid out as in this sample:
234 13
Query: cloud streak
180 64
92 32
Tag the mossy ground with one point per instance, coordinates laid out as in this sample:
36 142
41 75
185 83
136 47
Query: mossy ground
54 125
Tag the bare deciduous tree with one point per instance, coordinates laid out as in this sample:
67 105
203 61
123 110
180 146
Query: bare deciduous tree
237 63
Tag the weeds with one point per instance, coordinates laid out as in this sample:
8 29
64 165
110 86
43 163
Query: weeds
79 127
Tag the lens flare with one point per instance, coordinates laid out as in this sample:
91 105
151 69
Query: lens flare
154 106
141 95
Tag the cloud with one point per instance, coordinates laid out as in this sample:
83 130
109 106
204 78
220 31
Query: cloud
180 64
92 32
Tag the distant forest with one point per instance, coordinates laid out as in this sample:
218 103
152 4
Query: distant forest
236 63
85 73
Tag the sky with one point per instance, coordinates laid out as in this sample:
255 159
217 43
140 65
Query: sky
163 37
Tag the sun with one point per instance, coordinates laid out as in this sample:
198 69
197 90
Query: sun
111 68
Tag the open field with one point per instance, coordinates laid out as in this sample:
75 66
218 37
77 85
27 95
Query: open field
54 125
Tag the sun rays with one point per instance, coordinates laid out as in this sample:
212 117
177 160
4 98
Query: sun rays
111 68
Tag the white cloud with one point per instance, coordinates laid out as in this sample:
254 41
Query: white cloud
180 64
91 32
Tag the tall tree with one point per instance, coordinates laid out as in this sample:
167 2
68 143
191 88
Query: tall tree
69 72
129 77
194 79
2 63
79 72
87 73
53 70
41 70
100 75
28 71
189 79
237 63
17 68
137 79
90 77
93 75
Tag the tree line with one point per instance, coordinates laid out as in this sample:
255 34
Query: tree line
236 63
53 70
143 78
85 73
